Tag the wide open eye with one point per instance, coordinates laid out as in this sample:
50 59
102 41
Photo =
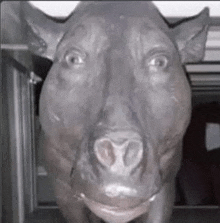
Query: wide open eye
75 58
158 62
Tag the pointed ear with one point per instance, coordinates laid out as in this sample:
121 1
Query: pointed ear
42 32
191 37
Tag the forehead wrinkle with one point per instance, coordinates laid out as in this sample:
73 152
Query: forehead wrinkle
158 34
96 37
156 40
146 36
88 35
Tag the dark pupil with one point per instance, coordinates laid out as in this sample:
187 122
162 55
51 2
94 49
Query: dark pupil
160 62
72 59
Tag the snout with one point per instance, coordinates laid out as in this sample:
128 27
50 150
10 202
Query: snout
119 155
118 186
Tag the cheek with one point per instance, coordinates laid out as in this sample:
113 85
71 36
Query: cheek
73 103
160 95
163 110
169 103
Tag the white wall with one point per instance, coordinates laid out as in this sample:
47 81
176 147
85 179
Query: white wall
168 8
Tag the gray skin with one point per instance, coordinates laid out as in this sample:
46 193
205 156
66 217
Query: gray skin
115 106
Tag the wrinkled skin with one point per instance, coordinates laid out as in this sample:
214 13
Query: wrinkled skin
114 107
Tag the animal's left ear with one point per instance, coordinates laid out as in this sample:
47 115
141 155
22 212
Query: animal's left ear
191 37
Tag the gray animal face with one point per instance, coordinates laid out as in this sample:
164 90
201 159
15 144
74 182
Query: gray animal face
116 104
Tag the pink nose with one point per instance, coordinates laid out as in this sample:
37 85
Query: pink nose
126 155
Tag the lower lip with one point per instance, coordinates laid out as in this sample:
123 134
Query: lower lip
116 214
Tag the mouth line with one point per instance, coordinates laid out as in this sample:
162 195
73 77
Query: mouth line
117 214
115 208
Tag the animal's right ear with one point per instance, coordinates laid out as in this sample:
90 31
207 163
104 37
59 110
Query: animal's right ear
42 33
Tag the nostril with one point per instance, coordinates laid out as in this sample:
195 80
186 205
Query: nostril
104 152
133 153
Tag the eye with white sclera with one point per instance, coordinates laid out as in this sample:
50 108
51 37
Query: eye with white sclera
75 58
158 62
